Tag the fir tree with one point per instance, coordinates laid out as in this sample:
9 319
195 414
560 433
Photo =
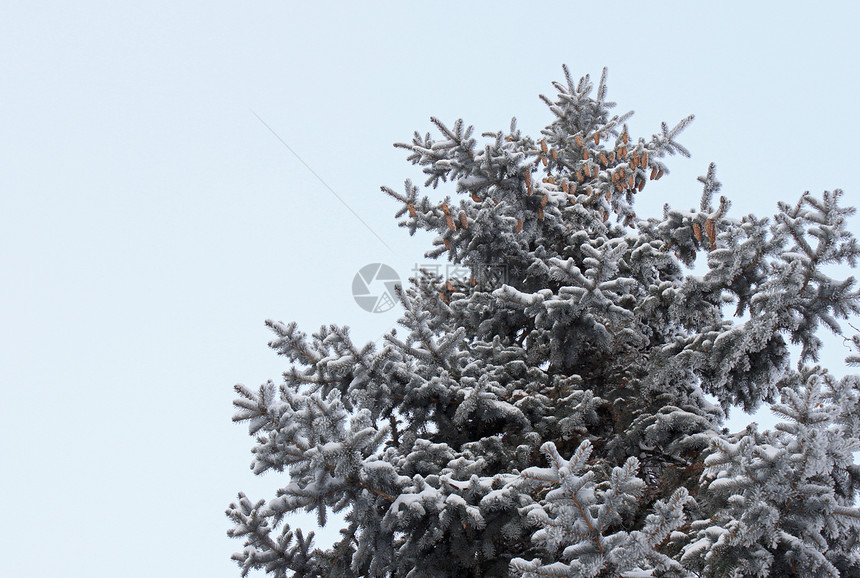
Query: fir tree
558 420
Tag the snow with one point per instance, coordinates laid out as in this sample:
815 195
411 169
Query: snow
696 549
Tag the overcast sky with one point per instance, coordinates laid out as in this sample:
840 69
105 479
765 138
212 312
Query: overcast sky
150 222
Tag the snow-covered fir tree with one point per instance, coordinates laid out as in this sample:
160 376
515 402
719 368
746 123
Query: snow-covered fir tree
565 418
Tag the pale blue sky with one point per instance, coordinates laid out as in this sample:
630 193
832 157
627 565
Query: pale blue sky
149 223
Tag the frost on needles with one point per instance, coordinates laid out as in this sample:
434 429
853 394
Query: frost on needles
555 420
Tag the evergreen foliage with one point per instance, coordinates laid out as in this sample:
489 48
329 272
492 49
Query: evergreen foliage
567 418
